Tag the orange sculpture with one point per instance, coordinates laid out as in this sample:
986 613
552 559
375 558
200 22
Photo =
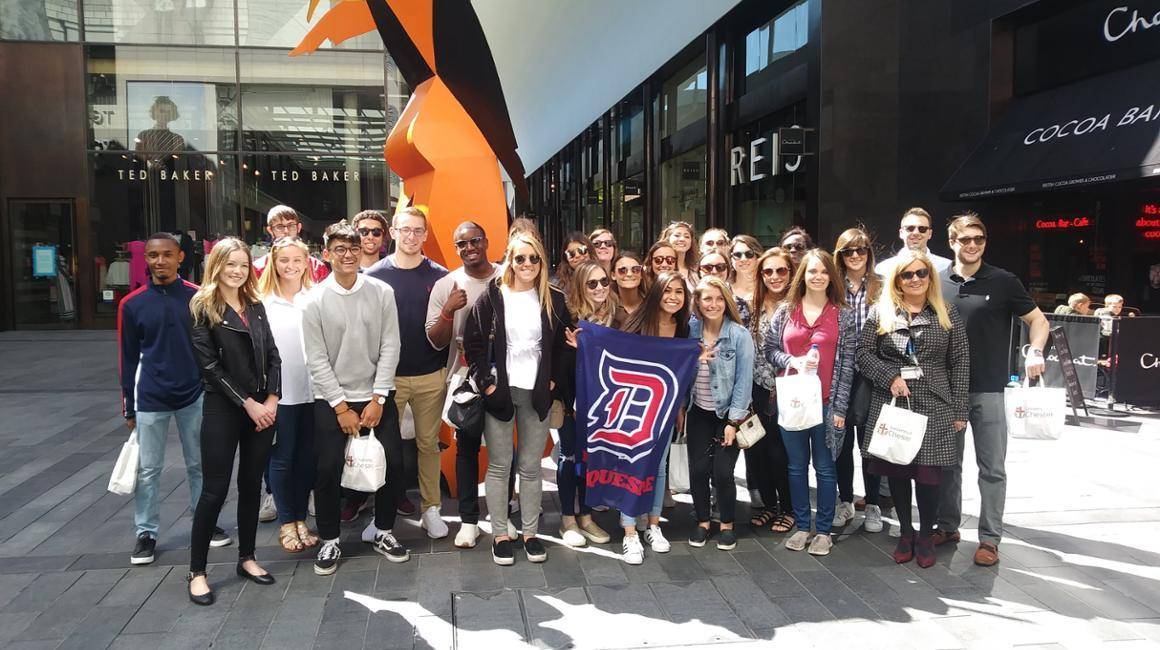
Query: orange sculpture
454 134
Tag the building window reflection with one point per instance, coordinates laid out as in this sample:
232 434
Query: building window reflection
174 22
769 195
683 189
787 33
684 97
39 20
283 23
627 198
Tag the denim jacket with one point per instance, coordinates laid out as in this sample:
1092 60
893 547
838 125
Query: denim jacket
731 371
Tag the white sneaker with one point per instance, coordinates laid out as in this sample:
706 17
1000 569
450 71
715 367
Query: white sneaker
467 536
310 504
873 519
821 545
573 537
656 540
631 550
432 523
268 511
843 514
797 541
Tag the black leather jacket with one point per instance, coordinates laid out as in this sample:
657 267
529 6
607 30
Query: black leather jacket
238 362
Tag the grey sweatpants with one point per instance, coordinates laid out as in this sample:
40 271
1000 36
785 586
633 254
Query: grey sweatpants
989 428
533 435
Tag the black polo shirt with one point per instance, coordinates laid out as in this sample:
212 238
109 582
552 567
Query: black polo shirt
987 302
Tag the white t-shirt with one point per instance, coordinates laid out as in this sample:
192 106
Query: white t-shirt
521 312
285 317
439 294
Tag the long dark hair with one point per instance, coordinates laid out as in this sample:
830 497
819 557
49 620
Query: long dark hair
855 237
762 292
564 269
646 319
835 292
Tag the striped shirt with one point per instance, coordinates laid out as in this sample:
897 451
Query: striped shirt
703 390
857 301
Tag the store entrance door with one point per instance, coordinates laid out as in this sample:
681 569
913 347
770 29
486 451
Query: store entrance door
42 234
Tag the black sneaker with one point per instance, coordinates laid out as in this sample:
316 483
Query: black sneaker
143 551
727 540
219 538
536 550
501 553
699 536
389 547
328 556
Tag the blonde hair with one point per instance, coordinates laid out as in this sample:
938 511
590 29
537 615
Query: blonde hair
891 302
207 305
268 281
507 274
714 282
580 303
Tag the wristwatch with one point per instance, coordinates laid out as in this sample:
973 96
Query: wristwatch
380 400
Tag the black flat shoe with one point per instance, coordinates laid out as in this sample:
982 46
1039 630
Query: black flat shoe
264 579
205 599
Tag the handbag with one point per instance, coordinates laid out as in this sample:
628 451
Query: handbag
799 401
679 465
366 464
749 431
1035 412
124 478
465 411
898 433
859 410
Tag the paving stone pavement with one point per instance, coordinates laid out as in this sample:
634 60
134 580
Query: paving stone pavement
1080 566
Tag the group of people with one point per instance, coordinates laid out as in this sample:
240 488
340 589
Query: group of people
279 361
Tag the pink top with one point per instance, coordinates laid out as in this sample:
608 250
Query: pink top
798 336
138 270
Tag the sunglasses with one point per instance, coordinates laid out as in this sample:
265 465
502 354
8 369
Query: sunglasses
629 270
664 259
592 284
520 260
977 240
718 243
920 229
781 272
719 267
376 232
855 250
474 242
743 255
576 252
794 247
921 274
604 243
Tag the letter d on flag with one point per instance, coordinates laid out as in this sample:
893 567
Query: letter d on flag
628 388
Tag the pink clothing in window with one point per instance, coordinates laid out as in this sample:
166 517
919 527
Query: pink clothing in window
800 335
138 270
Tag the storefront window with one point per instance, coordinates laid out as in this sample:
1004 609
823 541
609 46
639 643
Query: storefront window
170 22
684 97
161 99
567 185
39 20
767 189
683 189
628 213
283 23
780 37
628 134
332 103
593 200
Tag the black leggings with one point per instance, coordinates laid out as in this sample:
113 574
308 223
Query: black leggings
845 467
766 461
225 428
709 460
927 495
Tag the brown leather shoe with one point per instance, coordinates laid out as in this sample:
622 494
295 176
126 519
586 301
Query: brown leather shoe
987 554
941 537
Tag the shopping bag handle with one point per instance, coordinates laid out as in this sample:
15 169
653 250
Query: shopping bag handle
1042 383
895 399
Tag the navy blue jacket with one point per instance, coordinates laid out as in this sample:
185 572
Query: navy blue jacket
158 370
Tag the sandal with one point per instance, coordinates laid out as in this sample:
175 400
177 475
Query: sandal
308 537
783 524
288 538
761 519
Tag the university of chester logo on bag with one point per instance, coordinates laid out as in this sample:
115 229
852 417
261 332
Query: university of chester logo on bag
1020 412
636 398
795 403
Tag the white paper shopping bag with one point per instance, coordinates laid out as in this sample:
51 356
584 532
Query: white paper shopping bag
799 402
897 435
124 478
1035 412
365 469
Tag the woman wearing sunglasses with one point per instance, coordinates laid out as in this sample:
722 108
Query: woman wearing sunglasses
767 458
628 273
714 265
743 253
796 241
661 257
815 314
604 246
593 300
854 254
681 236
577 249
914 346
513 341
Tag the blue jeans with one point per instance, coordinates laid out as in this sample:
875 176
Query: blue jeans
152 428
799 446
661 485
291 468
570 472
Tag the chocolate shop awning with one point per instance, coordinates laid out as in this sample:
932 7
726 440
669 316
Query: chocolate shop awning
1094 131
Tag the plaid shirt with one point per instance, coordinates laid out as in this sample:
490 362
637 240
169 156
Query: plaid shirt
856 300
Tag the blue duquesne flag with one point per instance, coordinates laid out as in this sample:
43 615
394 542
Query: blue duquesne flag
628 390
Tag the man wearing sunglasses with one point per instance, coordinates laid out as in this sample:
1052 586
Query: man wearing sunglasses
451 301
987 297
915 231
283 221
421 379
372 229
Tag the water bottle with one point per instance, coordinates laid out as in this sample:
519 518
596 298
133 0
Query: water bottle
1014 383
812 357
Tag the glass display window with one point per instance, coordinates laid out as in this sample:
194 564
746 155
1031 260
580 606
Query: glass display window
170 22
39 20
